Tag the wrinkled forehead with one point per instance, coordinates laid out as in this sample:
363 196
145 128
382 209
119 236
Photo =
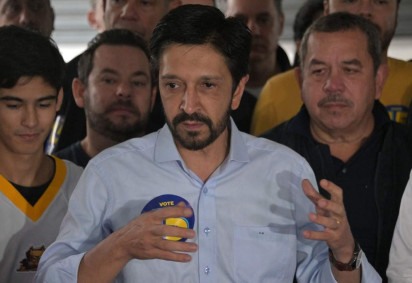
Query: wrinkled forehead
339 44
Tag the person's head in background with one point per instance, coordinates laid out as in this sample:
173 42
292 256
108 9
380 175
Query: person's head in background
31 14
95 15
265 19
341 75
115 88
200 2
382 13
136 15
310 11
31 77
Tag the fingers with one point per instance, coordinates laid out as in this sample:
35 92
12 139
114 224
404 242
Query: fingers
159 215
333 207
334 190
173 232
331 215
156 234
174 251
310 191
332 223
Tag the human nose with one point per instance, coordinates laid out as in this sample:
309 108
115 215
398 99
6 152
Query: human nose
333 82
26 17
130 10
190 102
253 26
124 90
365 9
30 117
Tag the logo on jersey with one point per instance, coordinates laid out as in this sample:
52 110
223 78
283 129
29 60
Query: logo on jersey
32 259
397 113
172 200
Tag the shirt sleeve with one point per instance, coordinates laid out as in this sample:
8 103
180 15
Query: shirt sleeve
80 231
400 256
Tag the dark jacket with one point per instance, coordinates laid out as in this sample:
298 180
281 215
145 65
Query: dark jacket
391 175
74 127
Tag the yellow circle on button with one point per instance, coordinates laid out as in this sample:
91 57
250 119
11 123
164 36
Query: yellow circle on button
177 222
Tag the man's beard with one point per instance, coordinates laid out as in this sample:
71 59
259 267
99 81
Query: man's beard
386 39
117 132
189 139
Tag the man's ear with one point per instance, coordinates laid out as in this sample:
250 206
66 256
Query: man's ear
237 94
380 79
91 19
78 89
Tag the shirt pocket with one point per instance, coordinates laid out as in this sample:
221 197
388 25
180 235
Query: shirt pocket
264 254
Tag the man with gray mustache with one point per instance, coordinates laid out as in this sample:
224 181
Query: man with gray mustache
345 133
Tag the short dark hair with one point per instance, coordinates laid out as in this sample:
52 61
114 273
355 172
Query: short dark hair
198 25
343 21
26 53
305 16
108 37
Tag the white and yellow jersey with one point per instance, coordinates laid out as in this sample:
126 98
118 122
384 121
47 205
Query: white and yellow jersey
26 230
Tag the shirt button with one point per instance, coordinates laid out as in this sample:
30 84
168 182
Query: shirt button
207 270
205 190
207 230
344 170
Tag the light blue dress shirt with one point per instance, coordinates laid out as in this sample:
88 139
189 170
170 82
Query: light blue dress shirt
249 215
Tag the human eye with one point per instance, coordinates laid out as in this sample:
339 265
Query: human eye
117 2
171 85
317 72
13 106
108 80
208 85
45 104
37 6
381 2
264 20
12 8
146 2
351 70
139 83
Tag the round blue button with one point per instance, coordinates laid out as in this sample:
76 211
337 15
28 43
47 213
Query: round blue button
172 200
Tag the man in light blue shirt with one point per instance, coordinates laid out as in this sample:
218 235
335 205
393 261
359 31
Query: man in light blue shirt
199 201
